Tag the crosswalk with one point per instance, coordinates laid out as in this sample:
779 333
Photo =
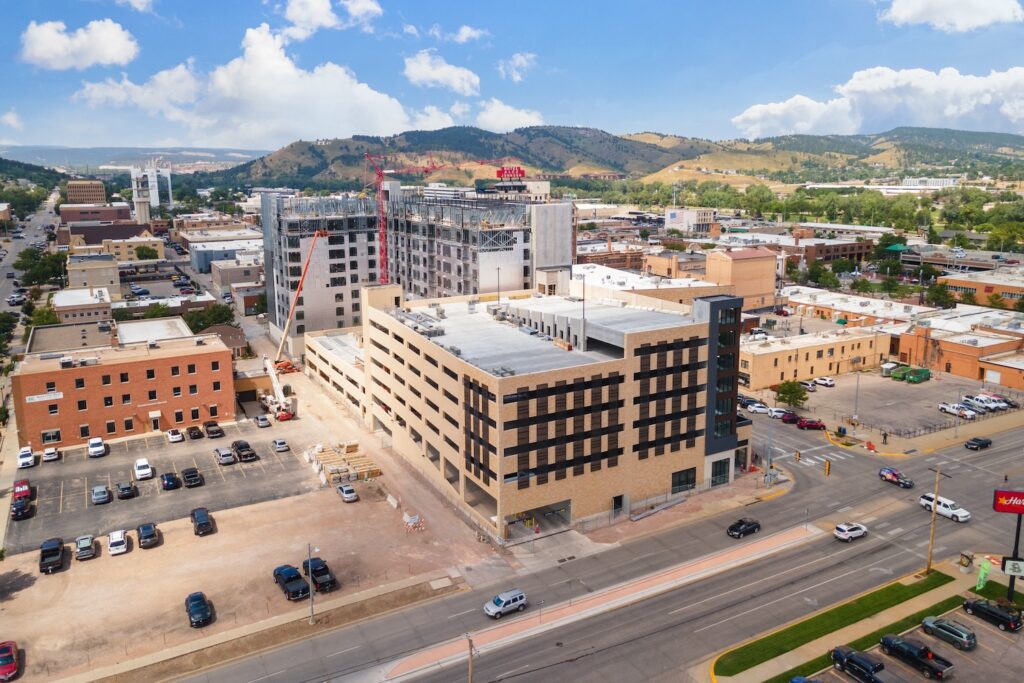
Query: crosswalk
815 460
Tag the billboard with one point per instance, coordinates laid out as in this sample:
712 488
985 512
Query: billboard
1008 501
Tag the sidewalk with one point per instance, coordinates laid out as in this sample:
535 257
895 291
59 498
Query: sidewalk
805 653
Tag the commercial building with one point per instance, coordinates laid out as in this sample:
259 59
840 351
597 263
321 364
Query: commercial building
176 305
86 192
246 297
807 249
1007 283
78 304
671 263
243 268
603 283
117 379
155 183
5 211
849 309
210 222
190 238
124 250
94 271
203 254
622 255
104 213
88 236
696 221
766 363
335 360
840 230
750 273
527 414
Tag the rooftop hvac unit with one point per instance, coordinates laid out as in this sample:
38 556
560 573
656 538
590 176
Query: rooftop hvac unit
67 362
972 342
92 360
906 308
200 341
440 313
153 344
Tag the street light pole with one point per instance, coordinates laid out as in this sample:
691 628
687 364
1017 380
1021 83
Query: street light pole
935 507
312 588
469 640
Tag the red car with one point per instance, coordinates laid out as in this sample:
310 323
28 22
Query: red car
791 418
8 660
22 490
808 423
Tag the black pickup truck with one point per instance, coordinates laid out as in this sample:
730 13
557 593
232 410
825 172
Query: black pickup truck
291 582
320 573
860 666
51 555
918 655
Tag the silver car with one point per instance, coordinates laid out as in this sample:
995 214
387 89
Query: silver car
100 495
347 493
85 547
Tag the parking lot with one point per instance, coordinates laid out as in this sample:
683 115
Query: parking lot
62 488
161 288
999 656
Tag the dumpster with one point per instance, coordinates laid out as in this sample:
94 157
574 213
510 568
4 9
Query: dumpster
899 374
918 375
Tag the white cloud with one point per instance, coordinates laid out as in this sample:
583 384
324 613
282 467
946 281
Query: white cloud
428 69
309 16
516 66
137 5
954 16
50 46
252 100
11 119
459 110
463 35
432 118
499 117
362 12
410 30
881 97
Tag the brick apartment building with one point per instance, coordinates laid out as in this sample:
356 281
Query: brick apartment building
86 192
117 379
75 213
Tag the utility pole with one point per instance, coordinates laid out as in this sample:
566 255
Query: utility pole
935 507
469 640
312 589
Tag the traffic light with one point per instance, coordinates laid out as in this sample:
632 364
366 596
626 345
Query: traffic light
797 456
828 467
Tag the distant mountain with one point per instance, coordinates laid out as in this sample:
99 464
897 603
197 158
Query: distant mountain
15 170
89 159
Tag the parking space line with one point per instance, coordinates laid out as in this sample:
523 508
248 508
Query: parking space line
259 461
86 492
60 504
220 468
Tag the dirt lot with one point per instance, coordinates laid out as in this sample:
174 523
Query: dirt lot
109 609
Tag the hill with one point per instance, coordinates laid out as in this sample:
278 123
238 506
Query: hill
13 170
87 160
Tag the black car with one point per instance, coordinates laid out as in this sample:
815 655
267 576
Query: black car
51 555
291 582
199 610
149 537
126 490
169 481
202 522
744 526
243 451
212 429
320 573
858 665
1005 618
977 443
191 477
21 509
194 432
746 400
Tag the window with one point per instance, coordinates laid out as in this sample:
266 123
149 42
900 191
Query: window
108 401
126 399
152 394
51 387
111 426
176 391
151 374
191 368
124 377
83 431
215 365
129 424
105 380
775 363
720 472
450 373
195 413
684 480
51 436
819 354
52 408
175 371
82 405
179 416
79 383
216 386
193 389
213 411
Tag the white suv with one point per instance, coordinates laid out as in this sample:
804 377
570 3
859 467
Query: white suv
945 507
143 470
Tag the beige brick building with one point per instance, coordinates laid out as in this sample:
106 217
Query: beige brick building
84 304
804 357
93 271
751 273
525 414
86 192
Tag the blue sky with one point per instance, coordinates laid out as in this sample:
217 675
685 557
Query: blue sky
261 73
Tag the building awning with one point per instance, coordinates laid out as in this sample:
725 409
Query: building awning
898 247
154 413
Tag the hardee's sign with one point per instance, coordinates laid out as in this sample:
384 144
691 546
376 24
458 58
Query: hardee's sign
1008 501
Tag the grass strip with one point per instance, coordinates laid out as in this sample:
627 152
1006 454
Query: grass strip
870 640
994 590
788 639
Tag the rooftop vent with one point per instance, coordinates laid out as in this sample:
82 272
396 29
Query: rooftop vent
200 341
153 344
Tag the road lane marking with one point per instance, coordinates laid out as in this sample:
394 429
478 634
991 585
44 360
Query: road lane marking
341 652
469 611
268 676
845 508
881 525
897 530
868 520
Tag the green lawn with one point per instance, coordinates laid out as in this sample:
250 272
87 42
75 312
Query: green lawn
994 590
780 642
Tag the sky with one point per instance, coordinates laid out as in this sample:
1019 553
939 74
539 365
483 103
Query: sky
259 74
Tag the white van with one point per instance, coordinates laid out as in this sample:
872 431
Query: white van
945 507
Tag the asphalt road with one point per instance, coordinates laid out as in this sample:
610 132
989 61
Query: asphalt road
659 638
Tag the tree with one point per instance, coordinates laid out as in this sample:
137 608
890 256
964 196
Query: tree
886 241
261 303
645 233
157 311
146 253
928 272
829 280
890 285
217 314
38 268
757 199
842 265
938 295
121 314
890 266
1019 305
968 298
44 315
791 393
995 301
862 286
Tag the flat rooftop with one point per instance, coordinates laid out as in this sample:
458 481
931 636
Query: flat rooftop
874 229
91 258
853 304
776 344
342 345
49 338
238 245
156 329
80 297
513 346
171 301
100 355
754 239
1013 360
1007 276
205 235
613 278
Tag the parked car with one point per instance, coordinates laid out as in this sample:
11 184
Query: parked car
212 429
1005 618
96 447
977 443
825 382
777 413
347 493
953 632
291 582
791 418
9 663
194 432
280 445
191 477
810 423
142 469
758 408
917 655
503 603
320 574
1011 403
175 435
51 555
187 290
945 507
50 454
21 509
858 665
745 400
126 490
140 291
26 458
742 527
224 456
198 609
148 534
22 491
243 451
847 531
117 542
202 522
85 547
975 405
100 495
169 481
894 476
959 409
809 386
261 421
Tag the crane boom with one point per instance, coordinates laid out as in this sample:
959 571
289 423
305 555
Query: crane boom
298 291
